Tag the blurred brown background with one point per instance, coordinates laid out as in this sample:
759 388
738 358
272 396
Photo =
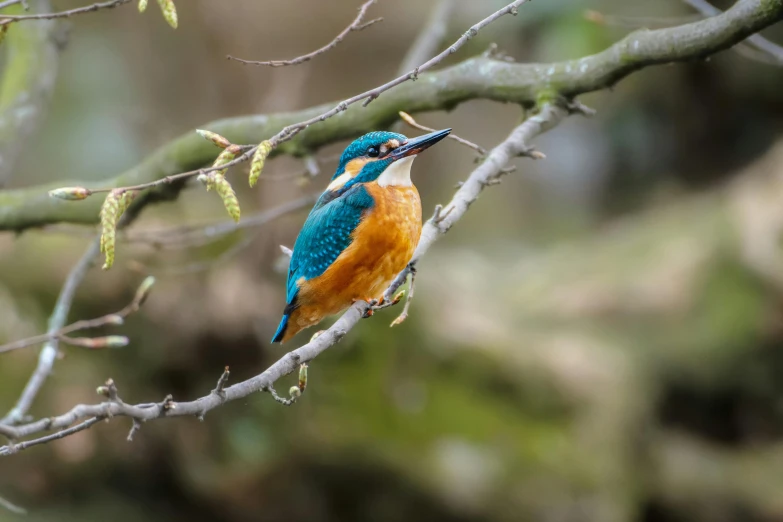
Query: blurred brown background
598 340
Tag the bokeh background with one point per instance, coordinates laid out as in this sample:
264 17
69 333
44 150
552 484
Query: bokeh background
600 339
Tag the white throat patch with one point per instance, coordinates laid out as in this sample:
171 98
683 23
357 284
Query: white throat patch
397 174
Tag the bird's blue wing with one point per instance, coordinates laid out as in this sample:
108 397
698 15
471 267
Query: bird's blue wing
326 233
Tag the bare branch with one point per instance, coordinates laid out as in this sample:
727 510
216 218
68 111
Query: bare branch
7 19
430 36
13 448
517 143
56 322
13 508
356 25
195 235
772 49
634 22
221 384
85 324
9 3
411 272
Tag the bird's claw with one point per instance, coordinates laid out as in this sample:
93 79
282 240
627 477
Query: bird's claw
380 304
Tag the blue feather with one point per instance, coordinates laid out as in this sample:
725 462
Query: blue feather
326 233
278 337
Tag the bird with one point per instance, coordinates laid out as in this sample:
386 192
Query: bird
361 232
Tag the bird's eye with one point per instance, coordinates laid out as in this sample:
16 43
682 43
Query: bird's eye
373 152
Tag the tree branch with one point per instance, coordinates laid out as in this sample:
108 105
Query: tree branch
771 49
13 508
7 19
472 79
85 324
517 143
356 25
430 36
49 351
195 235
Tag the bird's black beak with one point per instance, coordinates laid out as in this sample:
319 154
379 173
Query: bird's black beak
415 145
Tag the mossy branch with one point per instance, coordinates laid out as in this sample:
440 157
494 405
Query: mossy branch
477 78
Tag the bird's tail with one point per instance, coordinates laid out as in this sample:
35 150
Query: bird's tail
281 329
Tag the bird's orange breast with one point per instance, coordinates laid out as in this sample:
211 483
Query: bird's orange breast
382 245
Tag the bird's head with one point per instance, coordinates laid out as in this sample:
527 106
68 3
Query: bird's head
381 156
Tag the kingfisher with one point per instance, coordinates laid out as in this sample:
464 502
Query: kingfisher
361 232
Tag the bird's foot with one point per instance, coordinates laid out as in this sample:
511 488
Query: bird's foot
371 308
380 304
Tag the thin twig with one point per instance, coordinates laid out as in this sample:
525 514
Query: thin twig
62 334
356 25
7 19
278 398
515 144
290 131
221 384
9 3
430 36
757 47
411 286
192 234
633 22
11 449
135 427
774 50
407 118
13 508
167 180
56 322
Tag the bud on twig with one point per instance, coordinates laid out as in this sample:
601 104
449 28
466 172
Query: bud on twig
594 16
97 343
142 5
143 291
214 137
208 180
226 156
302 377
257 165
114 319
69 193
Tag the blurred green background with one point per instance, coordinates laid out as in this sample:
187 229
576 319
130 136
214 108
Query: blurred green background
600 339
